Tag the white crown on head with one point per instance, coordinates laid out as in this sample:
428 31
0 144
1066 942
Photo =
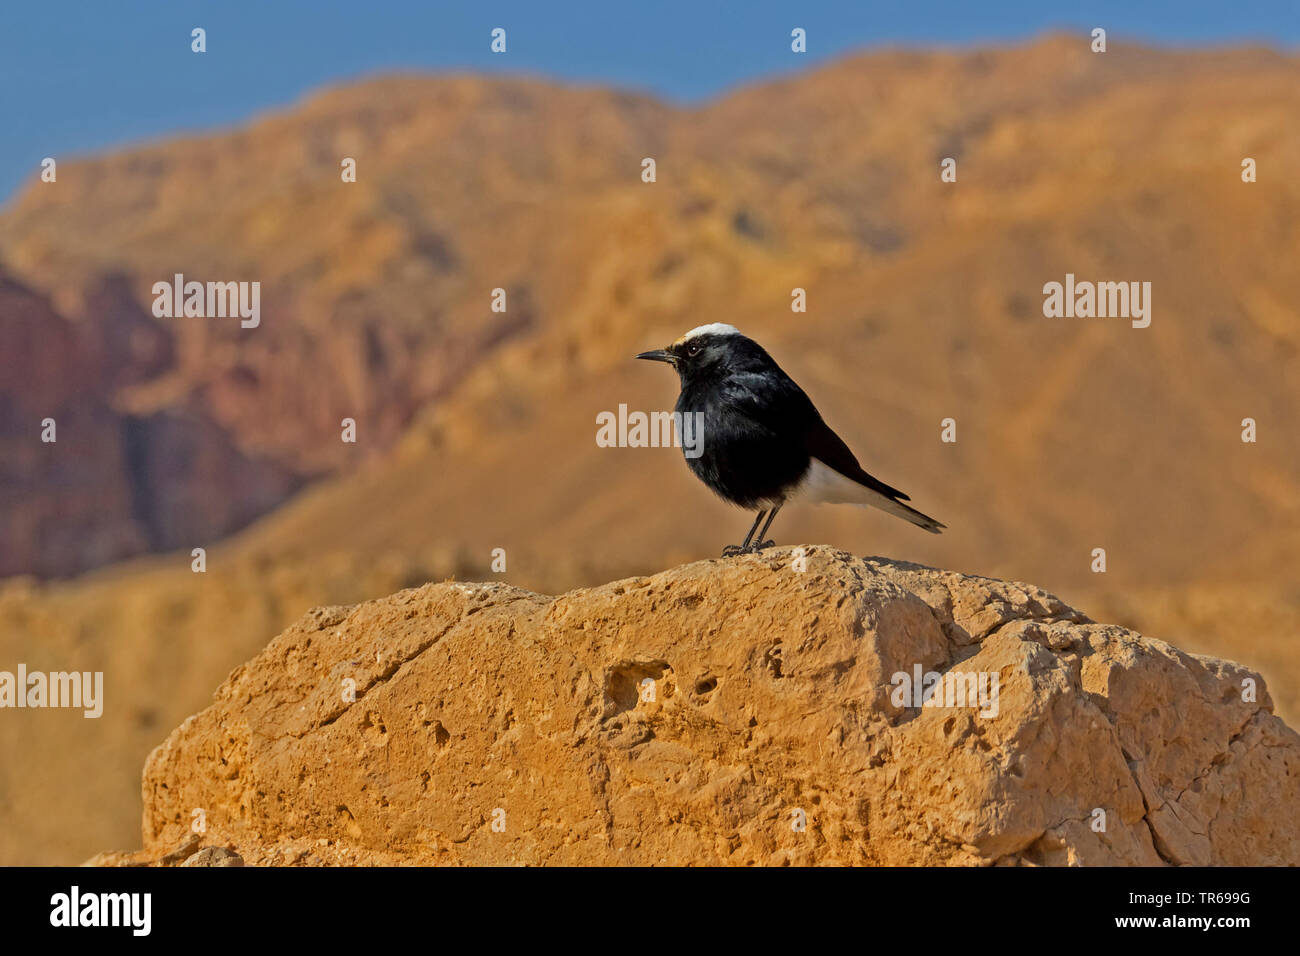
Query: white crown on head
713 328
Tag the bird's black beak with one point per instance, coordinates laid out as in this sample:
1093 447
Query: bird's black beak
658 355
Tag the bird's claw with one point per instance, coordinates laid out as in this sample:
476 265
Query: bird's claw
731 550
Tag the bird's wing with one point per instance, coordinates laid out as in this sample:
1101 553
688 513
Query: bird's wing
777 403
827 447
772 401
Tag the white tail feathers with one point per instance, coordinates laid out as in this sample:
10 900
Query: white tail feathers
821 483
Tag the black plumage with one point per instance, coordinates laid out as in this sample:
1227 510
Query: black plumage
763 440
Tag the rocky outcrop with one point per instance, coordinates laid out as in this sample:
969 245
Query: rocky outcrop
739 711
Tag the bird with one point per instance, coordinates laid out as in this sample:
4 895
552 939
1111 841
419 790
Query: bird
763 442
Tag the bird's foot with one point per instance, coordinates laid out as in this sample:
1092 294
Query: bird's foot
731 550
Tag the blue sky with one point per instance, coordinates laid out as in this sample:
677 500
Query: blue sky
84 75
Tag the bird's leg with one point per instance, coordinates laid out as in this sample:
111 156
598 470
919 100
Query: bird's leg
760 543
752 527
734 549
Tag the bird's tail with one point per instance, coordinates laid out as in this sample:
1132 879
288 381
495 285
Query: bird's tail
922 521
824 483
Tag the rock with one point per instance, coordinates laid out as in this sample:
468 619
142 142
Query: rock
182 852
731 711
188 853
215 856
117 858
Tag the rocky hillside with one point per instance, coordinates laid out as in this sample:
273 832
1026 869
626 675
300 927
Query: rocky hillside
111 482
924 302
741 711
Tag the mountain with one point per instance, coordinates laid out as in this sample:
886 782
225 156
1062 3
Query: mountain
376 294
476 429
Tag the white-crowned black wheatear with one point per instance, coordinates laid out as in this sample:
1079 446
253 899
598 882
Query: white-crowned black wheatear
764 443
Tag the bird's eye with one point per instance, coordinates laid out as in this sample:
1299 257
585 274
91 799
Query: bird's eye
693 351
